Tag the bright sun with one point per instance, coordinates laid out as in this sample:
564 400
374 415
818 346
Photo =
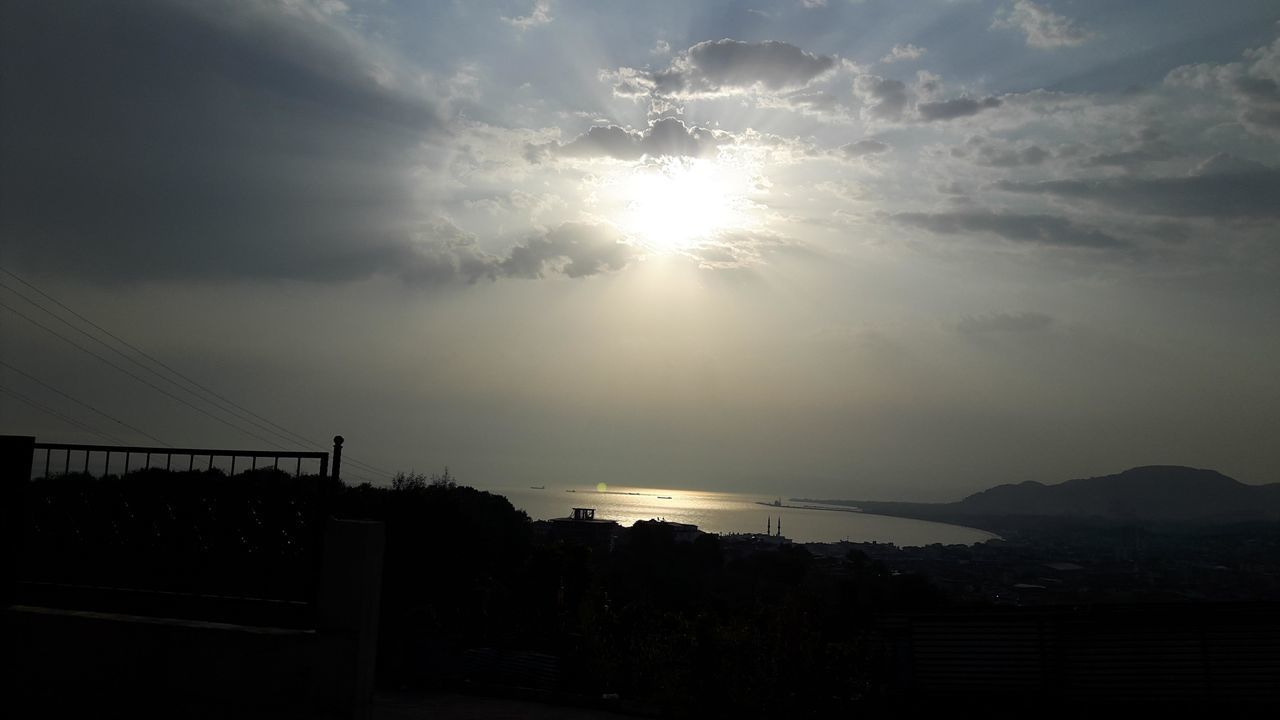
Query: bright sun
674 205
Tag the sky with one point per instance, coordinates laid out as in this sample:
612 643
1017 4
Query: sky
863 249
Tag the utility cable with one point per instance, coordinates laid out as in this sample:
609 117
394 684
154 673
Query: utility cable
82 403
60 416
288 434
149 384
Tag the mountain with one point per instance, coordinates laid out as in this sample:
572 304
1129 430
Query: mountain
1155 492
1159 493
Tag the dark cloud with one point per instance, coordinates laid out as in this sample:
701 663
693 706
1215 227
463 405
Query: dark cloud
721 66
574 249
893 100
442 254
163 139
1004 323
863 148
714 66
1033 229
882 99
1150 147
989 153
1221 188
667 136
957 108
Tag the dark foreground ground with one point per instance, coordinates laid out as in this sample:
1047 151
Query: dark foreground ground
453 706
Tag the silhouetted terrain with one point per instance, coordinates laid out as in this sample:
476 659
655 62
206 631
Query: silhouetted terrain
477 598
1155 493
474 599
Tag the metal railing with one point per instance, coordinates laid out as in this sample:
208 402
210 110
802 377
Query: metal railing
190 453
82 533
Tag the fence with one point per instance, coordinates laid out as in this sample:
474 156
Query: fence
191 453
94 527
93 635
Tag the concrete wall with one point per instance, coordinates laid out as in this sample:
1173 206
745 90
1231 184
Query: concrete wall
82 660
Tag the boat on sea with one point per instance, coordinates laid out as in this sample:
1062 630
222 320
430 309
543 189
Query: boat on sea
537 487
664 497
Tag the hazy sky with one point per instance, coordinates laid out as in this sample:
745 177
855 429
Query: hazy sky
869 249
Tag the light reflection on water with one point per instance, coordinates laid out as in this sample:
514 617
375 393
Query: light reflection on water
722 512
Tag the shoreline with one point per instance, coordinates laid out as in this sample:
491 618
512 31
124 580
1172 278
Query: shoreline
809 507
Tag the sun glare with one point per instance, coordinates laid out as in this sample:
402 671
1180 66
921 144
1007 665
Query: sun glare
673 206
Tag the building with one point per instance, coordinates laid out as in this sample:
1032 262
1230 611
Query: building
680 532
582 527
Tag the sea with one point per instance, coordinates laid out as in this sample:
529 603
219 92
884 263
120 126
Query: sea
724 513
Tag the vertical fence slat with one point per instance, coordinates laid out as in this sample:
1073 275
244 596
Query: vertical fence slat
147 452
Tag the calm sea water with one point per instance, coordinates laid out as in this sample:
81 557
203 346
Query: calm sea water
736 513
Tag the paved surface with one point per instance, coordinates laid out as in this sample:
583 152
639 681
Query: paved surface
447 706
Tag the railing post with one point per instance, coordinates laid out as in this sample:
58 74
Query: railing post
15 475
337 457
348 602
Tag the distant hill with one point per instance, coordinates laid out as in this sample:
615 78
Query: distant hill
1159 493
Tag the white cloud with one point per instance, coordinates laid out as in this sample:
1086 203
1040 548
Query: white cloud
1253 86
539 14
903 52
1042 27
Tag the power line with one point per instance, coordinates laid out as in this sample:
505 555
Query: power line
149 384
82 403
148 369
60 416
288 434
